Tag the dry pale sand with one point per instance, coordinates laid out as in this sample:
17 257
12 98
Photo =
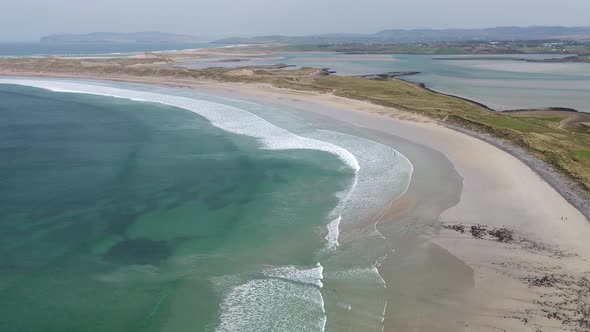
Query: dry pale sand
536 281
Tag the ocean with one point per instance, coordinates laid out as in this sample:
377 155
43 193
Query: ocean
37 49
133 208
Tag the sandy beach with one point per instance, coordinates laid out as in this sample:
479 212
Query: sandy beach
453 281
480 241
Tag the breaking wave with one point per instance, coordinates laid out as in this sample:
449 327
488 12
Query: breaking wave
228 118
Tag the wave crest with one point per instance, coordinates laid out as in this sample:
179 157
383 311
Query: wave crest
228 118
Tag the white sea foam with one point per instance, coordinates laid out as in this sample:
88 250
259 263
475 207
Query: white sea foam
385 174
272 305
383 315
366 274
333 233
288 299
344 306
311 276
226 117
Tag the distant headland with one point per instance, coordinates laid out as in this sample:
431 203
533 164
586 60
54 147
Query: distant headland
425 36
113 37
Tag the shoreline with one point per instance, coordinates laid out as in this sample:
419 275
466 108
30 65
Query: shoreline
359 113
566 187
425 87
530 209
484 106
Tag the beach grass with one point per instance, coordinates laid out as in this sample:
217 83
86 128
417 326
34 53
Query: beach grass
582 154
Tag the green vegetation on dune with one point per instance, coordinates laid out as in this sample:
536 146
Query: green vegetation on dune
584 154
516 124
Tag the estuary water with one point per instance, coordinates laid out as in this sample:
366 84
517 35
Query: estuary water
499 84
135 208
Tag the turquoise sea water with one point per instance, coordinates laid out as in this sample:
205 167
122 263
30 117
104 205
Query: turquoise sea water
135 215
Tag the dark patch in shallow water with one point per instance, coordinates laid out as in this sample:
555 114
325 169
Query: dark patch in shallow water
173 205
276 178
139 251
119 222
216 202
229 190
189 194
244 201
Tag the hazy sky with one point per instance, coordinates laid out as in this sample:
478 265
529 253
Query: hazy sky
30 19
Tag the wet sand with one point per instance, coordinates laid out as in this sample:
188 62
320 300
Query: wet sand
441 279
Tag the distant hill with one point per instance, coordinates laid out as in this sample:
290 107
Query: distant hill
499 33
112 37
426 36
